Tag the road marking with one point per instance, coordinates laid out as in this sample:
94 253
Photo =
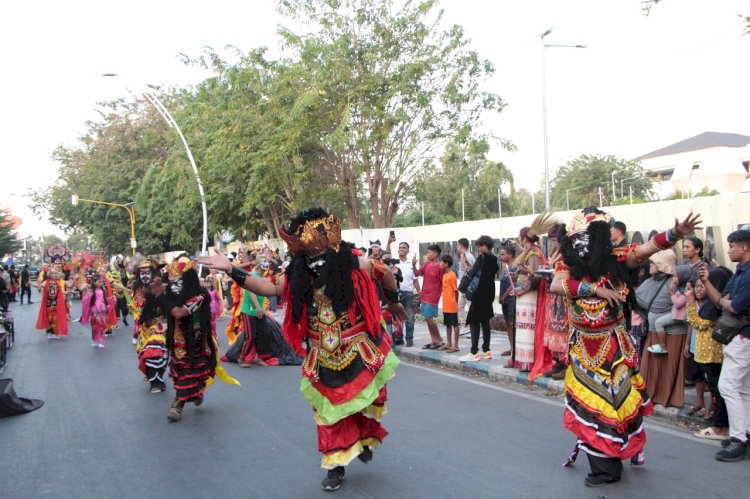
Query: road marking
651 426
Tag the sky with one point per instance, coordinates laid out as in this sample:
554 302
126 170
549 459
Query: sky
641 83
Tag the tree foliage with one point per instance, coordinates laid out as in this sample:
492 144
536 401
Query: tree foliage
349 119
582 178
9 242
393 87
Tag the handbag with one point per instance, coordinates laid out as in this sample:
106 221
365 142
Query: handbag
644 325
470 283
728 326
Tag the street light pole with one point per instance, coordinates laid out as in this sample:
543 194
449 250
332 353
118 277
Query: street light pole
622 195
614 193
567 200
165 114
544 111
74 200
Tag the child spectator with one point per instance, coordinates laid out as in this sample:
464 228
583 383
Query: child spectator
708 354
450 304
94 305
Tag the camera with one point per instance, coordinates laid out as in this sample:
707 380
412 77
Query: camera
390 261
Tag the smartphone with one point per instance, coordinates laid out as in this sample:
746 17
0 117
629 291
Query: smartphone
393 233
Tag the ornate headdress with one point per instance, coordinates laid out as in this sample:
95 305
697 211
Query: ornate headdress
581 221
313 237
179 266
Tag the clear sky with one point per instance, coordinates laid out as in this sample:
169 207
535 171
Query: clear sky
642 82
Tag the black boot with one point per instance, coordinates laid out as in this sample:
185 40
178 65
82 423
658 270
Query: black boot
366 455
333 479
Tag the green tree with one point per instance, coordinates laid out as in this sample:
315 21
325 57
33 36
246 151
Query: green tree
9 242
582 178
467 168
392 87
109 163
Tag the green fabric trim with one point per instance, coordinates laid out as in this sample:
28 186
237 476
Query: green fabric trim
330 413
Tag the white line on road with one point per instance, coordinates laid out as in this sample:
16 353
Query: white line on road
487 384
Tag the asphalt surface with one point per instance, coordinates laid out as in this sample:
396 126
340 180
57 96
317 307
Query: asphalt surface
101 434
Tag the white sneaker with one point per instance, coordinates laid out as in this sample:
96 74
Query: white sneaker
93 344
51 336
100 345
488 355
470 357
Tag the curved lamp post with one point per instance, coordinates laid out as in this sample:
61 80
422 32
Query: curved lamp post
154 101
74 200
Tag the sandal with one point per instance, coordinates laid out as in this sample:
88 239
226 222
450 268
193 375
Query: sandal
701 413
442 348
505 353
709 433
430 346
709 415
695 409
452 350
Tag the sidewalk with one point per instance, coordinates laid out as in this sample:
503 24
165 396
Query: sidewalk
494 371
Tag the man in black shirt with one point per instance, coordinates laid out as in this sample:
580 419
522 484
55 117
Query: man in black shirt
618 234
25 284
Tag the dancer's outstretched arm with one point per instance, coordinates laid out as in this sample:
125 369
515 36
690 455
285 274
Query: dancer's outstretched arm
664 240
254 284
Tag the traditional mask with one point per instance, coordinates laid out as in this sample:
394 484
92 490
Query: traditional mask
581 244
146 274
176 286
315 264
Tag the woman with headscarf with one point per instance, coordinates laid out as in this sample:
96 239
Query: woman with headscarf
664 372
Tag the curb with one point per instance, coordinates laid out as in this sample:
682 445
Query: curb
495 373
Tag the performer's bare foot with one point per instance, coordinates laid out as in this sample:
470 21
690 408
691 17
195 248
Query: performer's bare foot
261 362
242 363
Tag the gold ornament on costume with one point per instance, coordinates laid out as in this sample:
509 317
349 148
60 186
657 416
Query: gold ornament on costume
314 236
179 266
581 221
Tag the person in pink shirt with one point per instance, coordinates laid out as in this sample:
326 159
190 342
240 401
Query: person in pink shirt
432 288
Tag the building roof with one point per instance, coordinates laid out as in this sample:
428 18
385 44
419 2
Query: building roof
701 141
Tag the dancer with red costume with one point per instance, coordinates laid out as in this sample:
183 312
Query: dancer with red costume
333 306
605 395
53 309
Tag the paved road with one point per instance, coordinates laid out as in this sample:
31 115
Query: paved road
101 434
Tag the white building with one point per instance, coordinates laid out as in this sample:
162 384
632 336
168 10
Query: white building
711 160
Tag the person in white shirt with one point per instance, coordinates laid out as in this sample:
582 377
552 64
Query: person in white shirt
408 287
465 262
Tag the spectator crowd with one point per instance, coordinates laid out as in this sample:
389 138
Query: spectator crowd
672 312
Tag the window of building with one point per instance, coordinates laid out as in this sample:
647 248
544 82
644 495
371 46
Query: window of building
746 164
